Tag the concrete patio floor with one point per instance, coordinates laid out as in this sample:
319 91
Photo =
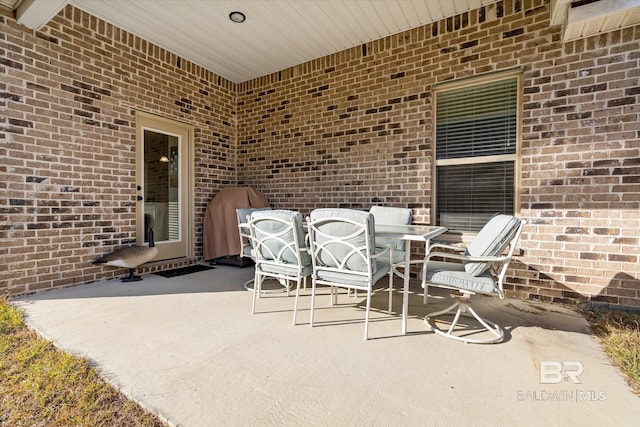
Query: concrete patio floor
189 349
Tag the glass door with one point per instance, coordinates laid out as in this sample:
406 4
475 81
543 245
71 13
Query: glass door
164 185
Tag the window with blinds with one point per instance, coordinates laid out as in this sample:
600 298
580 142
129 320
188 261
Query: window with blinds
476 148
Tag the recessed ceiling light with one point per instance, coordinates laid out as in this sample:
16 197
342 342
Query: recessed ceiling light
237 17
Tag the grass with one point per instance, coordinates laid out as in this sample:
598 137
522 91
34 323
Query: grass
619 332
42 385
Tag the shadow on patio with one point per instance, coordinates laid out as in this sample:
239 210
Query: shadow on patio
189 349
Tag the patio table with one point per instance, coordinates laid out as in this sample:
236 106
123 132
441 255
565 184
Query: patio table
408 233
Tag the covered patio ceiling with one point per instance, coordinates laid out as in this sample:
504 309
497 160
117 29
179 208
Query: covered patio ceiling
278 34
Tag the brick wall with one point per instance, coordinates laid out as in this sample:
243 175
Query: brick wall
68 95
351 129
355 129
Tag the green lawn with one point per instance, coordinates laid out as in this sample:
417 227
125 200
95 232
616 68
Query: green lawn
41 385
620 335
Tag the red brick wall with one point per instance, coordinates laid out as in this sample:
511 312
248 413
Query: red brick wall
351 129
355 129
67 132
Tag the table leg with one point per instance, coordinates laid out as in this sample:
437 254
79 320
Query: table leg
405 294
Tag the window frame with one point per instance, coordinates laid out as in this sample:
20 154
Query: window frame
515 157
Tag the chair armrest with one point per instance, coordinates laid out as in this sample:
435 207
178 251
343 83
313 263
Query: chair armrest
466 258
305 249
244 231
445 246
386 248
243 228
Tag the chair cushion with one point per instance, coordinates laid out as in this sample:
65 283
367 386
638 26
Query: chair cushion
281 269
491 241
391 215
347 278
453 275
283 220
247 250
340 251
243 213
398 256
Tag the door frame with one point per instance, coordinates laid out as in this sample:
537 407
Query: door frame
147 121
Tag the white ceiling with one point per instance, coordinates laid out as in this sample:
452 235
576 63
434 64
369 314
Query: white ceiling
279 34
600 17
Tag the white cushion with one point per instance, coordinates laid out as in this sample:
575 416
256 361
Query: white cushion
355 260
394 216
492 240
282 219
345 277
453 275
243 213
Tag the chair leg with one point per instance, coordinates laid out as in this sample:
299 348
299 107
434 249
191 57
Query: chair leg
463 308
334 295
313 299
390 291
424 285
295 304
496 330
366 316
257 284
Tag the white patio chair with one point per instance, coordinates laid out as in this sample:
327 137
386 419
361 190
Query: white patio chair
343 253
480 269
279 250
393 216
243 215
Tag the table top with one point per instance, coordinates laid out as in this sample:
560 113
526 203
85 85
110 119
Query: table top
409 232
398 231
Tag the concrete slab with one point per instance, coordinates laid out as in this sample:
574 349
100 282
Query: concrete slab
189 349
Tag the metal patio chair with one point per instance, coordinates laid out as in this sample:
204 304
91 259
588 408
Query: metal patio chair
479 269
246 249
279 251
343 253
394 216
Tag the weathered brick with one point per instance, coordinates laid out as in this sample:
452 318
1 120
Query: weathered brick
95 165
356 133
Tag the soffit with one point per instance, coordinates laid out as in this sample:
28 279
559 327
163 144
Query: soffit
276 35
586 18
10 4
279 34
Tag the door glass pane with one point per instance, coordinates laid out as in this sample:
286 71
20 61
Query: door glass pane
161 186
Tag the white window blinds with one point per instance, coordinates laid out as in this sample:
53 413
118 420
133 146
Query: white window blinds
476 145
477 120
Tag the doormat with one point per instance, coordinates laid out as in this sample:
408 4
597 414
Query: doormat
182 271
